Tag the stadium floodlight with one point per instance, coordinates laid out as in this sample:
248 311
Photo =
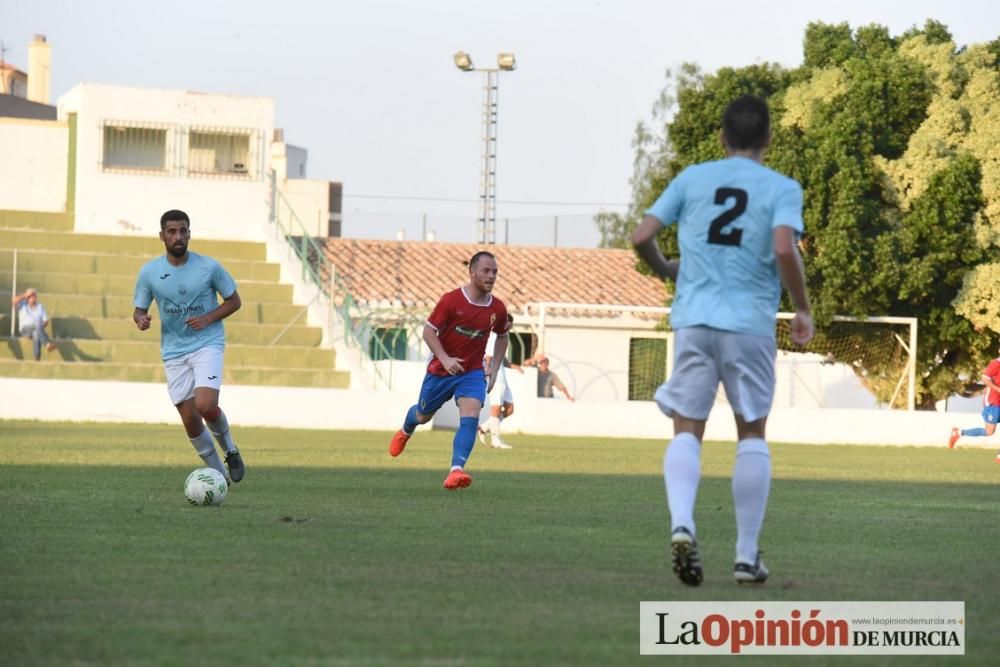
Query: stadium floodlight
491 86
463 61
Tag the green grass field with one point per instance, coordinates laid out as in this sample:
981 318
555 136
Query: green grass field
331 553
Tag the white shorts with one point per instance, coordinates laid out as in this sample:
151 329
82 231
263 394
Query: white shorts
201 368
501 390
702 357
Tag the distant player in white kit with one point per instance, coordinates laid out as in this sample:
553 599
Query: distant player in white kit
501 398
738 225
192 340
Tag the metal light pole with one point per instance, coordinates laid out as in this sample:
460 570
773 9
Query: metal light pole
488 175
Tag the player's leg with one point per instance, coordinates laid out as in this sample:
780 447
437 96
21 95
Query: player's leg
201 437
494 425
180 388
485 428
433 394
470 394
36 342
208 367
687 397
747 364
991 415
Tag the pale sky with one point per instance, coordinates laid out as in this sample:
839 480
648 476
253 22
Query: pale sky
368 87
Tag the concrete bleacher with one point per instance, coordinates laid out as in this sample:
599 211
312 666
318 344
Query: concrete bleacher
86 281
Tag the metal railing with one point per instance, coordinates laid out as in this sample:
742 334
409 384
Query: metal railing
360 324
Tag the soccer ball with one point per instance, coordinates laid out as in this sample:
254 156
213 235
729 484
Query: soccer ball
206 486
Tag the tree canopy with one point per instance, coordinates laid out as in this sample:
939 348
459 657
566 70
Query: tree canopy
896 142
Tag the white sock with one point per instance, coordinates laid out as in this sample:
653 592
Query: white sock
220 429
681 473
751 484
494 424
205 447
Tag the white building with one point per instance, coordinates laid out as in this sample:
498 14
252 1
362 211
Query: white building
117 157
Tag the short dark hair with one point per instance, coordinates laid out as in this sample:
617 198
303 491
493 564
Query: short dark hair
746 123
173 215
479 255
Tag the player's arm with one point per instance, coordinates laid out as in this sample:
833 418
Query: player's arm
989 382
451 364
644 241
557 383
499 353
141 318
793 277
229 305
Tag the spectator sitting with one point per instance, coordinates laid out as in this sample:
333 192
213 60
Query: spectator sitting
33 319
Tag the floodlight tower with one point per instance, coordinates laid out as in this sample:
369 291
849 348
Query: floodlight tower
488 175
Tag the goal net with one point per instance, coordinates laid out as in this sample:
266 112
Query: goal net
618 352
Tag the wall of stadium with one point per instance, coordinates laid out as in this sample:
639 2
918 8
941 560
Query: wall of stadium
365 409
111 200
33 160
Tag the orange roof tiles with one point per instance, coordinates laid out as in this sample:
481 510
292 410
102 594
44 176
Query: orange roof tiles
414 274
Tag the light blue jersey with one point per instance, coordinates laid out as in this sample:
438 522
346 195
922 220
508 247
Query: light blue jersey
183 292
726 212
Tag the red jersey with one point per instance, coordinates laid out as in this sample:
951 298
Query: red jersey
992 372
463 327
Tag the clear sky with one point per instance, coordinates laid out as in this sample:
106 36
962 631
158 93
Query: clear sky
369 87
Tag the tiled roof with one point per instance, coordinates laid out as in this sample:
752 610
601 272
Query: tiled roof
414 274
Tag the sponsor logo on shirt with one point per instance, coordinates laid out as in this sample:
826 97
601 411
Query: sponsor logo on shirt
468 333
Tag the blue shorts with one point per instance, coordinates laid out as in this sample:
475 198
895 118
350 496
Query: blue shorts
991 414
437 389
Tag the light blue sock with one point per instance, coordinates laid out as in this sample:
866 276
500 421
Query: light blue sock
410 423
974 431
465 439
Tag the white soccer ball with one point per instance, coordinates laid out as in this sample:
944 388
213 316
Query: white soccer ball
206 486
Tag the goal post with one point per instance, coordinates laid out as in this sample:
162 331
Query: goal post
851 361
882 352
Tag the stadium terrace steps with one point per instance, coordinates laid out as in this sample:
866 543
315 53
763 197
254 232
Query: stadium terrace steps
272 377
134 352
124 285
112 307
86 283
33 239
34 220
245 333
49 261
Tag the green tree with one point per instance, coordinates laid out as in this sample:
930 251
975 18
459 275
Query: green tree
896 142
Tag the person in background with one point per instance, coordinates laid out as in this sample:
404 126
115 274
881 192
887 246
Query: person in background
547 379
991 408
33 318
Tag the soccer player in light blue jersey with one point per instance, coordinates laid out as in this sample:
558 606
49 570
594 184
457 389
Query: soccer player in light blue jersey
185 285
738 225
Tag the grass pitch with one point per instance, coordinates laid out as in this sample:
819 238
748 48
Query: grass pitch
331 553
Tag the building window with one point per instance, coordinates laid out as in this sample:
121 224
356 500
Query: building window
134 147
647 367
220 153
520 347
387 344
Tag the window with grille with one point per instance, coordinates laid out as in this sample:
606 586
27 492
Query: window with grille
217 152
647 367
520 346
387 343
134 147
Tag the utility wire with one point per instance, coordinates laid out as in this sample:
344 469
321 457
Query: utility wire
469 200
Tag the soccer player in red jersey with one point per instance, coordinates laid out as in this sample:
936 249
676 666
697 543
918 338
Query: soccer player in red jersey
456 332
991 407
